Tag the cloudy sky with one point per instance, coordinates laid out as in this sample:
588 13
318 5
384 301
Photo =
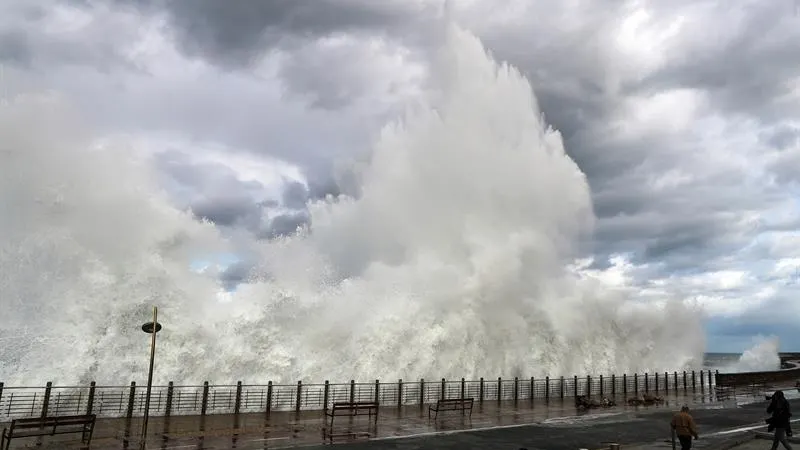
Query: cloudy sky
682 114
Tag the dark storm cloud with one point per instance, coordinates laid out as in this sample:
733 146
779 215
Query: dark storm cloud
748 73
737 335
285 225
235 33
14 48
785 137
321 188
235 274
771 322
214 192
228 211
295 195
15 40
745 73
31 39
238 35
787 167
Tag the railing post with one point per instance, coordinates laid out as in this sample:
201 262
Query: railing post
131 399
326 396
685 382
421 393
625 385
442 394
516 390
709 378
656 382
399 393
377 391
480 390
613 385
702 381
675 377
588 386
269 398
46 400
635 383
601 386
298 398
237 404
170 393
499 389
89 401
575 385
666 382
694 381
352 391
204 404
562 387
533 389
646 382
463 388
547 389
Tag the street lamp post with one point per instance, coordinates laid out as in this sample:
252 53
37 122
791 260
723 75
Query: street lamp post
151 328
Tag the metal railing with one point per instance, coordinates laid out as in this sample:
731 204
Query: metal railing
171 400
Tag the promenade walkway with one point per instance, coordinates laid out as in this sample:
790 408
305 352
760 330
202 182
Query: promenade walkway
395 426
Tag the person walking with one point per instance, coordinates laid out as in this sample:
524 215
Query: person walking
781 412
684 427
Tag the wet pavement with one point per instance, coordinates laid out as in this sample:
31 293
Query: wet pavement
533 425
646 428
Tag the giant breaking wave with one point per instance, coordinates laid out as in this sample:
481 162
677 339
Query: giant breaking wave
454 261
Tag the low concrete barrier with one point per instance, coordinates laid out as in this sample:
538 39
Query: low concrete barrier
763 377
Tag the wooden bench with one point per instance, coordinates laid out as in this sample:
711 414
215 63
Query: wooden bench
49 426
451 404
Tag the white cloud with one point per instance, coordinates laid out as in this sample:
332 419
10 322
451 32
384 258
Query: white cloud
643 42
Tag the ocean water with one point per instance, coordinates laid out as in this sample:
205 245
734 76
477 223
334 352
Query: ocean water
717 361
762 356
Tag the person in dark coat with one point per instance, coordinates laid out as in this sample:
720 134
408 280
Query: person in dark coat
779 421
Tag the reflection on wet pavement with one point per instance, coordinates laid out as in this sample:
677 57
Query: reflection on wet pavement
288 429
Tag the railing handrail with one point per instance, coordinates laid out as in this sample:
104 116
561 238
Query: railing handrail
347 383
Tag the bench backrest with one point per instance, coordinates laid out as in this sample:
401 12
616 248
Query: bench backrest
355 405
454 400
39 422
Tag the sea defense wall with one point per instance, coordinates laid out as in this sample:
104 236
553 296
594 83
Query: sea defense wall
788 375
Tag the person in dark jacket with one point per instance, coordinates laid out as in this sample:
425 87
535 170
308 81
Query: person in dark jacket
781 412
